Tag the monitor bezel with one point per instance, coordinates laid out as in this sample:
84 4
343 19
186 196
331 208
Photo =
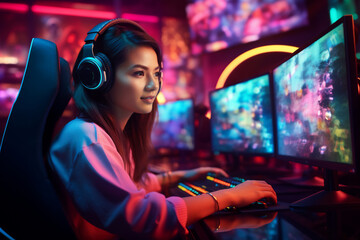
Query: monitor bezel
247 153
353 99
171 148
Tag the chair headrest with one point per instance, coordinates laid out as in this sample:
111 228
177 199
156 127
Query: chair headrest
38 89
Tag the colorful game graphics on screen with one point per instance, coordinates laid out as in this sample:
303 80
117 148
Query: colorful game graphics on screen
175 126
241 117
316 99
312 101
216 25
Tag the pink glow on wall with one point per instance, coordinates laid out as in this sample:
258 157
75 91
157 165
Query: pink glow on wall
73 12
141 18
16 7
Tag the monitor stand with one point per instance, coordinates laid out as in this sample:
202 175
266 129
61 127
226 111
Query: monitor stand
329 198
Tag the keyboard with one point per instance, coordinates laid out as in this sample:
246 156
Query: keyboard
213 183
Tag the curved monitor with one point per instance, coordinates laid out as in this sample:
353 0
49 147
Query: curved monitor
241 118
174 128
316 105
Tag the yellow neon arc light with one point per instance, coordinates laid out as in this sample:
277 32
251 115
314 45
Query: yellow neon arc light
251 53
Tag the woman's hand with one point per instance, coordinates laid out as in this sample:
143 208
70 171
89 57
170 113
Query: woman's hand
239 196
197 173
250 191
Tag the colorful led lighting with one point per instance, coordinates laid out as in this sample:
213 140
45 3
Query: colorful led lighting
16 7
73 12
161 98
208 114
248 54
141 18
199 189
9 60
187 191
218 181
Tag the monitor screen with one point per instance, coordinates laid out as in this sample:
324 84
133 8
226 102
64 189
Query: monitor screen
216 25
174 128
315 97
241 117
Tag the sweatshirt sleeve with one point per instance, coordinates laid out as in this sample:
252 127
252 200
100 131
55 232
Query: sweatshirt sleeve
150 183
105 195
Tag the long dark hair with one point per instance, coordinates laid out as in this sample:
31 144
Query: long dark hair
115 43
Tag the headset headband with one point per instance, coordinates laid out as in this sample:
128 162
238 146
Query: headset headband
99 29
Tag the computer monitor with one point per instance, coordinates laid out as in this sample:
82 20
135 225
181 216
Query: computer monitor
241 118
316 100
174 128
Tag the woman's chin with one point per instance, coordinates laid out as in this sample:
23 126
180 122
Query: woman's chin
145 110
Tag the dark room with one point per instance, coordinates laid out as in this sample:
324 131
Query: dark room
180 119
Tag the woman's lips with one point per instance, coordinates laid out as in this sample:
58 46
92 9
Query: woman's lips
149 99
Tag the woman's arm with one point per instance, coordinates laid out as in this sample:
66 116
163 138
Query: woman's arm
242 195
204 205
201 206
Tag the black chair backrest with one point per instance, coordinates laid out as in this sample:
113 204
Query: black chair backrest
30 207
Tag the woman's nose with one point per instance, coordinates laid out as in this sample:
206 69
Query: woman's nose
152 84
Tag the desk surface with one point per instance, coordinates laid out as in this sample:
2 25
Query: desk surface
286 224
335 223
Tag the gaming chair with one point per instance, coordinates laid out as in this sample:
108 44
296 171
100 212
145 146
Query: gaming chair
29 205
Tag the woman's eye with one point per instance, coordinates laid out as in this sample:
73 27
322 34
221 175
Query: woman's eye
139 73
158 74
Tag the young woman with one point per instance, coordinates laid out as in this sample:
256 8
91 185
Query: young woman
100 158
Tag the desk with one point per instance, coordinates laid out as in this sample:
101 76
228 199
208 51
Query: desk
339 224
282 225
289 224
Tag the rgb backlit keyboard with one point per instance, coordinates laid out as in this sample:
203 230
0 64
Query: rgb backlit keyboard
214 183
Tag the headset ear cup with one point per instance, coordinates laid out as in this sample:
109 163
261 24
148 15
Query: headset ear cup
89 72
106 65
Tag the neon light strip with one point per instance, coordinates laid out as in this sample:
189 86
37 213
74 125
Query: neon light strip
16 7
187 191
248 54
141 18
73 12
9 60
199 189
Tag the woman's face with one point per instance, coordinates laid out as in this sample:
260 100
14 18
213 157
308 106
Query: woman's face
136 83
